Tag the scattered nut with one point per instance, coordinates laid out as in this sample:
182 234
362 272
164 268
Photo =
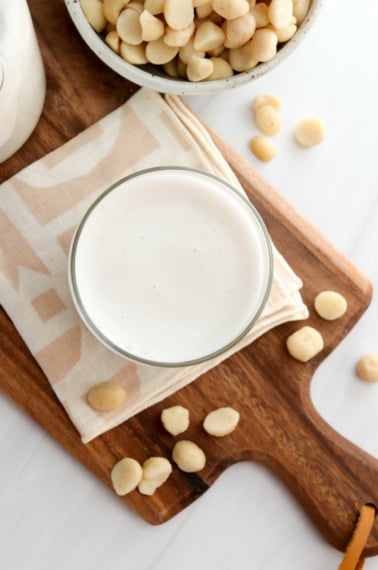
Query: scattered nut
305 343
126 475
266 99
263 148
156 471
221 422
268 120
309 132
330 305
105 397
175 419
367 367
188 456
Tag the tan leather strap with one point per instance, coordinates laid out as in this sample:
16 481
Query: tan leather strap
352 559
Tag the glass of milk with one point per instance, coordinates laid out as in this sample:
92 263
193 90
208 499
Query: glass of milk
22 77
170 267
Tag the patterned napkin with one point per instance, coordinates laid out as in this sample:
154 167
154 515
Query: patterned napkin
39 210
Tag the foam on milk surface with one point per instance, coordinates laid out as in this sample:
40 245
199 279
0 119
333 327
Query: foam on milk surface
168 267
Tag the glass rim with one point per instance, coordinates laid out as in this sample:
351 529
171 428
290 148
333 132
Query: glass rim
80 305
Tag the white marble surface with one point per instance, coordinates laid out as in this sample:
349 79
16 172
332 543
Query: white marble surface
54 514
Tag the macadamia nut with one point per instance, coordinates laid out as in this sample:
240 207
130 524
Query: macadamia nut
178 13
113 41
367 367
105 397
300 9
175 419
309 132
221 422
178 38
126 475
242 59
188 456
280 13
199 68
208 36
222 69
284 34
94 13
159 53
263 148
330 305
156 471
239 30
268 120
264 44
154 6
152 27
260 12
266 99
113 8
129 28
230 9
305 343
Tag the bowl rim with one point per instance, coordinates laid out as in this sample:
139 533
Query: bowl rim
156 82
266 249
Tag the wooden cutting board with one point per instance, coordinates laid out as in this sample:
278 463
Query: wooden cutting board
279 427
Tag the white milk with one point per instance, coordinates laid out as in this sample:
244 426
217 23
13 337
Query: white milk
171 266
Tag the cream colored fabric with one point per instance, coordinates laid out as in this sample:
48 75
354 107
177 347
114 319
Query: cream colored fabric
40 208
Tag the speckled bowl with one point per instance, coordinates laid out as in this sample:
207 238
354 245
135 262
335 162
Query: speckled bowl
154 78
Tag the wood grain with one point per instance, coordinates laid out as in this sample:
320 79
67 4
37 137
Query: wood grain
279 427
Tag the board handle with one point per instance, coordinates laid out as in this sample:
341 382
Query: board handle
331 477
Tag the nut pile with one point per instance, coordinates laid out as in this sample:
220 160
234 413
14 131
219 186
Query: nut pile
196 39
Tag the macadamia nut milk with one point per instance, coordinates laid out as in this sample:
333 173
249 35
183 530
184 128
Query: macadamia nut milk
170 266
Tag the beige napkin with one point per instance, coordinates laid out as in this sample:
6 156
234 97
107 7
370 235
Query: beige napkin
39 210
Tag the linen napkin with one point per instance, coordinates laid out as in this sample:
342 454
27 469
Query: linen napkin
40 208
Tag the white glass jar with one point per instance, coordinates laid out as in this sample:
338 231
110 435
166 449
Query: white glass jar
22 77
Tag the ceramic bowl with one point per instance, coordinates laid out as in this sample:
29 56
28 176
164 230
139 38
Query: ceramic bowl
154 78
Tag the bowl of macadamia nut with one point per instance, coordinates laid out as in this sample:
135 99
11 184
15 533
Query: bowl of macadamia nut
192 46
